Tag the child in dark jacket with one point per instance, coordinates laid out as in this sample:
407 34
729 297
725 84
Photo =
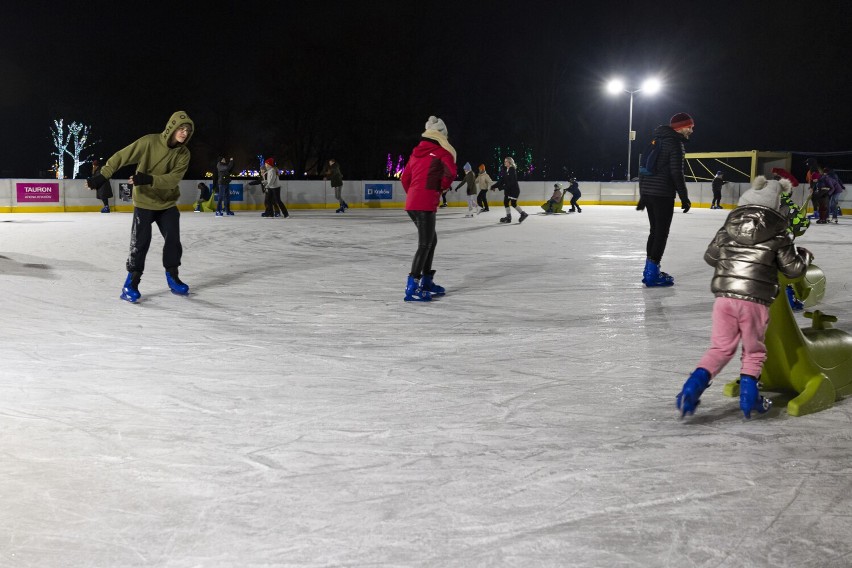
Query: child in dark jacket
747 253
203 195
574 190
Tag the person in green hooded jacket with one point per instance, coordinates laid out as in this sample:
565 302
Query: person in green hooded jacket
161 162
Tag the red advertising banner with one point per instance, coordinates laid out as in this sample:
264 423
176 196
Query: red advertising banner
40 192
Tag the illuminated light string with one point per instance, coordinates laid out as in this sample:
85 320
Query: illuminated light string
526 164
392 171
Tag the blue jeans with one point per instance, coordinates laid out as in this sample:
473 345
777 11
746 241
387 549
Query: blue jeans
224 195
832 204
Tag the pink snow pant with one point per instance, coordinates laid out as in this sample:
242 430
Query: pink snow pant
735 321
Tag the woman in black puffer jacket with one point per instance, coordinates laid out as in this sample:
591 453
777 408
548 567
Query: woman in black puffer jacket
657 193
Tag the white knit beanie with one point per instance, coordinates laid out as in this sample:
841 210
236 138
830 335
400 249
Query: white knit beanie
435 123
765 192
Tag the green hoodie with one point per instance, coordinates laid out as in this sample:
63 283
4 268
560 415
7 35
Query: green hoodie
152 155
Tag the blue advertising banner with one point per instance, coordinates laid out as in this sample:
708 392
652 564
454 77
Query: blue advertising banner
378 191
236 190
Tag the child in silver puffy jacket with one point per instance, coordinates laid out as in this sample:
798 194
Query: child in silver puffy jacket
747 254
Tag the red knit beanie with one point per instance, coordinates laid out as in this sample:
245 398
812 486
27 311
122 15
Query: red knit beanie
269 161
681 120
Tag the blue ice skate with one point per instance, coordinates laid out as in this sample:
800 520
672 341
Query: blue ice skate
175 283
750 398
652 276
130 291
689 397
415 293
795 304
427 284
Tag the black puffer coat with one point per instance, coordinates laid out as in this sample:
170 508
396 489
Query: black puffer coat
669 179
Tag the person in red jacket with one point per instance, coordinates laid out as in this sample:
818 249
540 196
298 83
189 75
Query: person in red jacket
430 171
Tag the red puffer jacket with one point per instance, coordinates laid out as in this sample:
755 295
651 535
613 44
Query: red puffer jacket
430 170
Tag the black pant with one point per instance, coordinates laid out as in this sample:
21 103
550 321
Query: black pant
482 198
717 197
426 241
660 212
273 204
574 204
276 201
168 221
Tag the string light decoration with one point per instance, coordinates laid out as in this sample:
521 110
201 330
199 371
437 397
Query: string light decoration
60 144
525 164
394 171
400 166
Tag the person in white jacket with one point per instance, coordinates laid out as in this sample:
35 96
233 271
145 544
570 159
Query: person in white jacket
483 182
272 185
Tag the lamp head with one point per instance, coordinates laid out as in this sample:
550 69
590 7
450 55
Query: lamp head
651 86
615 86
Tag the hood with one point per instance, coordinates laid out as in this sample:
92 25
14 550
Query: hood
177 118
441 140
752 224
664 131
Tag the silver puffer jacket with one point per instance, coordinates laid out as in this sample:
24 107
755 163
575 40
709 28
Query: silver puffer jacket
749 250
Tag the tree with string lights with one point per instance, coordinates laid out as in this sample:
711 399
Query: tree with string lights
60 144
77 137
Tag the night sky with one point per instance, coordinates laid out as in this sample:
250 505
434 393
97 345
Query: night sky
357 80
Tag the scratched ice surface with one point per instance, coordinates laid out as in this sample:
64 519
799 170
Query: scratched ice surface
294 411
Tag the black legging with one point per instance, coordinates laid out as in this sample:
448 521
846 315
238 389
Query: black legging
168 221
660 212
426 241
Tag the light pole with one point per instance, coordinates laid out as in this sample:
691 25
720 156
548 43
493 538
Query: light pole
615 87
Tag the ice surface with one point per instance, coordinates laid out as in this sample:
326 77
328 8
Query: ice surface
294 411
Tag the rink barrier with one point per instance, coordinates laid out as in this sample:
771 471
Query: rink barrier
72 195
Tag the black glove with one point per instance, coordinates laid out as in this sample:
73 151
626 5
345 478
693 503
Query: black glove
685 205
142 179
641 205
95 181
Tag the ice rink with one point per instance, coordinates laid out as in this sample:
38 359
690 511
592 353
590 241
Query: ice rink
294 411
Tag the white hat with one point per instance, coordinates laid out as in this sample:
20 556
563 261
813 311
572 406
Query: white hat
765 192
435 123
